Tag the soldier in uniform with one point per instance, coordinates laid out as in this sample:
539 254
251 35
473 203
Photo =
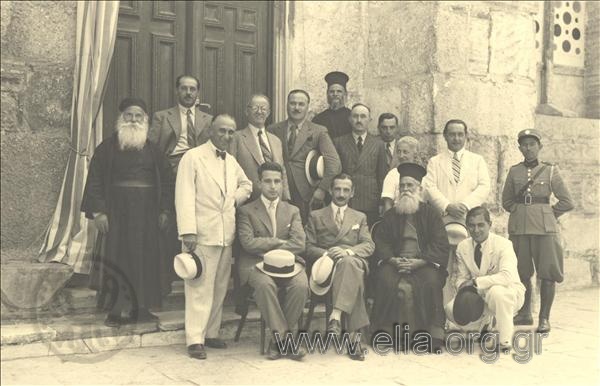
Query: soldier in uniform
337 117
532 225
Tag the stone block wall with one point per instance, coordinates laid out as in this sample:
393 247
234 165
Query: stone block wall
38 56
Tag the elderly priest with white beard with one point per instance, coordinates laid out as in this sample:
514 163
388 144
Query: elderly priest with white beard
128 194
412 245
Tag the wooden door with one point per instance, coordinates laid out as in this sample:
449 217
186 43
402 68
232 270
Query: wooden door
225 44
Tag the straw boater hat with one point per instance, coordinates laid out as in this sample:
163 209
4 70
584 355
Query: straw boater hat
321 275
468 306
188 265
456 230
314 167
279 263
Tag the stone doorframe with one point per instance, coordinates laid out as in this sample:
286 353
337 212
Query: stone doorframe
282 59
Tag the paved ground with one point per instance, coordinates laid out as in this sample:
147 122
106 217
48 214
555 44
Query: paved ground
570 355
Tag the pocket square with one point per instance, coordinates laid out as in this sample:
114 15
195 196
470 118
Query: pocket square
355 226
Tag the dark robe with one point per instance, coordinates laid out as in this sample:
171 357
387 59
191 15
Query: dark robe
337 121
427 282
130 255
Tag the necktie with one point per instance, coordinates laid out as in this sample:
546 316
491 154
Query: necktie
359 144
221 154
456 167
338 218
191 140
388 153
267 156
478 255
273 217
292 138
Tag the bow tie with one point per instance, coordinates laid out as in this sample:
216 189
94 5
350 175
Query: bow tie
221 154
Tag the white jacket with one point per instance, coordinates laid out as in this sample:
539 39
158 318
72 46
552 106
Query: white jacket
472 188
498 264
205 206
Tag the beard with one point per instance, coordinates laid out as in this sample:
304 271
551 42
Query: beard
335 103
408 202
131 135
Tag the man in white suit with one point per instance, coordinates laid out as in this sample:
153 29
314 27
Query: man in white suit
488 262
254 145
457 179
210 184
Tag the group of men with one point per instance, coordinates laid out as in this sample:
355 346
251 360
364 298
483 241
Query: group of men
363 209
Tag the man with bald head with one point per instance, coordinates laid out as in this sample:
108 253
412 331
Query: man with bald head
210 185
363 157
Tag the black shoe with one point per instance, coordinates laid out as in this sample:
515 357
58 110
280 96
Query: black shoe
197 351
273 352
113 321
437 346
334 327
296 356
358 354
523 320
543 325
215 343
143 315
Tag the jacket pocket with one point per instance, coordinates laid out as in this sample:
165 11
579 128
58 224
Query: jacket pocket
549 219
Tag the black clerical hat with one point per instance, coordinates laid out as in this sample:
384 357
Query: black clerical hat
336 77
413 170
132 101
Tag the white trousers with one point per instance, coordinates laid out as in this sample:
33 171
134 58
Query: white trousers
204 296
502 303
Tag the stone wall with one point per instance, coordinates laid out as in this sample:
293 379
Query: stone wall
38 55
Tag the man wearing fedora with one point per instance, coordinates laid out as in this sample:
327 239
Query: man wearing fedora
175 131
340 234
532 225
210 184
487 263
128 194
413 249
336 117
254 145
271 236
363 156
299 136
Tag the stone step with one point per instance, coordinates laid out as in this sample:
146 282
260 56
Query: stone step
86 333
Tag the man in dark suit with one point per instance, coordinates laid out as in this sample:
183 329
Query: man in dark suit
363 157
335 118
343 234
175 131
264 225
299 137
253 145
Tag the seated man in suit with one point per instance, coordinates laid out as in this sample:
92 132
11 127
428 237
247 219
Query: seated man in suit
265 224
343 234
412 244
488 262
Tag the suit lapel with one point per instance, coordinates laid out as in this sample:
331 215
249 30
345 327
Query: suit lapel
209 159
261 213
447 166
303 134
328 220
351 144
346 224
486 256
282 218
250 143
275 148
175 121
367 146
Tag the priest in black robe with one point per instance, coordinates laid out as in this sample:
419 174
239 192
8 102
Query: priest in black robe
337 117
128 194
412 245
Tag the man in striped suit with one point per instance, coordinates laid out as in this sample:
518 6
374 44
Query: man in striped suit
363 157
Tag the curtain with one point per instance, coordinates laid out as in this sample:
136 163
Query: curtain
70 236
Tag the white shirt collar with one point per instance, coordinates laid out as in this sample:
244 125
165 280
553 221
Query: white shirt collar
363 136
184 110
267 203
255 129
214 148
483 244
334 207
458 153
290 123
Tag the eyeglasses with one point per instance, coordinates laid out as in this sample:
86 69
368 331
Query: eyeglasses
257 109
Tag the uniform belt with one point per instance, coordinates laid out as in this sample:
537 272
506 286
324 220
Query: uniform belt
528 200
